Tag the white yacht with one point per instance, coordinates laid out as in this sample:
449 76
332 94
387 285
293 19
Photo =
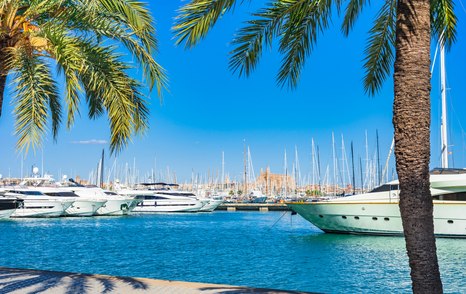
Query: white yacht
117 204
377 212
154 199
8 205
81 206
212 203
36 204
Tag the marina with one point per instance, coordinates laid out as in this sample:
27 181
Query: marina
274 250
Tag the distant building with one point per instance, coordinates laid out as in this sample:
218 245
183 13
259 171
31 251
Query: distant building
273 184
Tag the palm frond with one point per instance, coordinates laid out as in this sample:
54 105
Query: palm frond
35 89
352 12
65 50
128 22
443 21
109 88
379 50
251 38
304 21
196 18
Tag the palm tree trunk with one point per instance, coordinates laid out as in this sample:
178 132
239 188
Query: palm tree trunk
411 121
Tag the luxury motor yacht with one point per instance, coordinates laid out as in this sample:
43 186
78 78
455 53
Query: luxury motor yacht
81 206
377 212
159 197
36 204
211 203
8 205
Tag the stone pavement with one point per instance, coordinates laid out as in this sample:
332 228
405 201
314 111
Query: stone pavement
37 281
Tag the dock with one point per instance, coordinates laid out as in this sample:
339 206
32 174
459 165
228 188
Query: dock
254 207
19 281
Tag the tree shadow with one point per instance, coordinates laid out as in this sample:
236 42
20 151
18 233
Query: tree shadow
238 290
12 279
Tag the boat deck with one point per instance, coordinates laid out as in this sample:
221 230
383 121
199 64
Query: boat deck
14 280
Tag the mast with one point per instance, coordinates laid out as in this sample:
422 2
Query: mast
352 165
245 170
223 171
334 165
102 170
378 159
360 171
286 174
318 169
313 164
385 169
443 128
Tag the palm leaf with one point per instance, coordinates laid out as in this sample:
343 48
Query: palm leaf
304 21
251 38
195 19
443 21
352 12
379 51
35 89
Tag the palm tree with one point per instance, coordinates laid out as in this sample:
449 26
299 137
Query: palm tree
84 41
400 36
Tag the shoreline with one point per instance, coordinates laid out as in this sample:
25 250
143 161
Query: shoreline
14 280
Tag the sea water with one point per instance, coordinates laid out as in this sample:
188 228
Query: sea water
257 249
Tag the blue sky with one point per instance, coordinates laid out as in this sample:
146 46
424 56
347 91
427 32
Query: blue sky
208 109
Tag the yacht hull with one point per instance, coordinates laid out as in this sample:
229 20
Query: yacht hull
115 207
8 206
379 218
6 213
42 208
211 205
167 206
84 208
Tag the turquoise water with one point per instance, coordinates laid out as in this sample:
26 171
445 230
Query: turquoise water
273 250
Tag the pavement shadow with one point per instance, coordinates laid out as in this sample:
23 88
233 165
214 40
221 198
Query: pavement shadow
240 290
12 279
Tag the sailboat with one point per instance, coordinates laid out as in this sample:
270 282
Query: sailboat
378 213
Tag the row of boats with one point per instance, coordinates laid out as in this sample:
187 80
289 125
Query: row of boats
43 197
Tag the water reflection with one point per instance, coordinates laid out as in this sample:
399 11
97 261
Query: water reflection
272 250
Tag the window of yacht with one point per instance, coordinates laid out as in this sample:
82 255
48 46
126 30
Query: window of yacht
176 194
61 194
356 217
460 196
374 218
33 193
385 188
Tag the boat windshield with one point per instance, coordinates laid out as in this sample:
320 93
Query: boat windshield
177 194
61 194
386 188
460 196
23 192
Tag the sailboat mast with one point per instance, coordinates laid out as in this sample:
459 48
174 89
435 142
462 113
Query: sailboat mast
443 129
245 170
223 171
352 165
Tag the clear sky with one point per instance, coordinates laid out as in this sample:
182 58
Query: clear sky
208 109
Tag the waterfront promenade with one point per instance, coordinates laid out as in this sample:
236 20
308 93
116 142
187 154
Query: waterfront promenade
37 281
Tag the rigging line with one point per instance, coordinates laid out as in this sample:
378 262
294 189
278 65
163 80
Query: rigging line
462 6
278 219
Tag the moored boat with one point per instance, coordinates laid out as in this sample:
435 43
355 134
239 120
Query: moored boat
36 204
8 205
377 212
